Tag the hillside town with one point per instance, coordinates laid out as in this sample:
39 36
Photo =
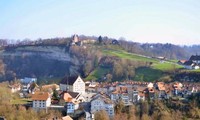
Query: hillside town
79 98
100 60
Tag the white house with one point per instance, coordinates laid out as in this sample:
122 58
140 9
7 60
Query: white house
74 84
102 102
41 100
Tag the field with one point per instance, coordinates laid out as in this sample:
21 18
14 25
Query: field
152 73
125 55
166 66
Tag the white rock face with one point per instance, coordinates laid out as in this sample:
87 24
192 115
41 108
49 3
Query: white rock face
49 52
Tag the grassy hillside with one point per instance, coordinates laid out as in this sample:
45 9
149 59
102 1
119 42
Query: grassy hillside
147 74
125 55
151 73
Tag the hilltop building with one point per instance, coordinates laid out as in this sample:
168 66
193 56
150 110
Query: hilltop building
192 63
195 59
76 40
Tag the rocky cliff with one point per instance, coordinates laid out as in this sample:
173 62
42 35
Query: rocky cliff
38 61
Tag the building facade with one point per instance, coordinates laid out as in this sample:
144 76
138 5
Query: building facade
74 84
101 102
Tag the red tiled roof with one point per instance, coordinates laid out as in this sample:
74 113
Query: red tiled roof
40 96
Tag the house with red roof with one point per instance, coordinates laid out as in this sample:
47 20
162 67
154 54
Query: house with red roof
41 100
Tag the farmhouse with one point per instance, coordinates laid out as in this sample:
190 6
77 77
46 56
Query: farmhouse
195 59
192 63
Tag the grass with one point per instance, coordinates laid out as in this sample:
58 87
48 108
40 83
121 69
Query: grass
193 70
166 66
147 74
20 101
97 73
174 61
125 55
163 66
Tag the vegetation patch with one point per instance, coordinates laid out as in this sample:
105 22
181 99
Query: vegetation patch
97 73
147 74
166 66
20 101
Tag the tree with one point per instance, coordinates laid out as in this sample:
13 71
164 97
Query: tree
88 67
146 117
55 94
117 69
2 68
119 106
165 116
101 115
100 40
5 94
109 77
132 112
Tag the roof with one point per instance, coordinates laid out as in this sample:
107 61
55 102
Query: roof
67 118
40 96
195 57
141 88
69 80
161 85
188 63
150 85
73 94
52 86
120 90
182 61
68 96
103 97
14 86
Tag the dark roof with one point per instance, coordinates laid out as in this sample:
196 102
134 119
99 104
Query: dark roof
115 42
195 57
69 80
188 62
73 94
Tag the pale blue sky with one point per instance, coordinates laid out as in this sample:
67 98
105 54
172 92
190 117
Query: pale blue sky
152 21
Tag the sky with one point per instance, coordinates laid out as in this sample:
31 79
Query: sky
144 21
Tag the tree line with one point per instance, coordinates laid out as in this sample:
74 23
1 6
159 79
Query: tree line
170 109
